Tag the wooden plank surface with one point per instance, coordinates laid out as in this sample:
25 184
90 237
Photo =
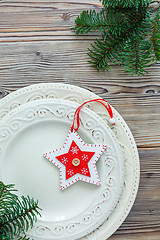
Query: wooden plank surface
38 45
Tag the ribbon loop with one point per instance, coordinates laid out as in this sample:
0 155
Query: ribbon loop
77 112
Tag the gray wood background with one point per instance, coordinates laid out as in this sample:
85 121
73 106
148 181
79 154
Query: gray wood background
38 45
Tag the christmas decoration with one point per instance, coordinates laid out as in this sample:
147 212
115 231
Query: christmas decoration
130 32
16 216
76 159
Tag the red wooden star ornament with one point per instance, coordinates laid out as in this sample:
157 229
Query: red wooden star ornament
76 159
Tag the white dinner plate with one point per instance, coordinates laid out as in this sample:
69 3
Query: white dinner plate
41 126
121 130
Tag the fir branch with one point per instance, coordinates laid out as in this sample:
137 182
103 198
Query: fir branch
134 22
16 216
7 197
114 47
100 54
155 38
137 56
125 3
125 26
92 21
134 56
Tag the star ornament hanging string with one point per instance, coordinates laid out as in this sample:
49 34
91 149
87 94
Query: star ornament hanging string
77 159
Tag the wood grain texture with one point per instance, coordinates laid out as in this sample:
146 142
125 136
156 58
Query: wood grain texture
145 214
22 64
37 45
139 236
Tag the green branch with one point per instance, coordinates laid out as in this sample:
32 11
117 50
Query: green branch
124 27
156 35
16 216
125 3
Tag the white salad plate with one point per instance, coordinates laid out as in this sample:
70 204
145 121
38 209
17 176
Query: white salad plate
10 160
34 128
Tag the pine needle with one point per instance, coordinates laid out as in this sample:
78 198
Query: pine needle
16 215
124 27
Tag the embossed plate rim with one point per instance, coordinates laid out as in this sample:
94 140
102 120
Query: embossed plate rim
109 193
67 91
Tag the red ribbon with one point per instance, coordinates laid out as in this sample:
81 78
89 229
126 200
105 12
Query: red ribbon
77 112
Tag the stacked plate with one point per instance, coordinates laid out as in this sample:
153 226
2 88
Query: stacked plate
35 120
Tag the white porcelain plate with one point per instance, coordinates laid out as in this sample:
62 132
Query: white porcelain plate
38 127
121 130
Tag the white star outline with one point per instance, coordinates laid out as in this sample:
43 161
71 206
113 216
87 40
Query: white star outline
97 148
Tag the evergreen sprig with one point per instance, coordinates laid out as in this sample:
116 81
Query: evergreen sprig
16 216
125 3
130 34
155 37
